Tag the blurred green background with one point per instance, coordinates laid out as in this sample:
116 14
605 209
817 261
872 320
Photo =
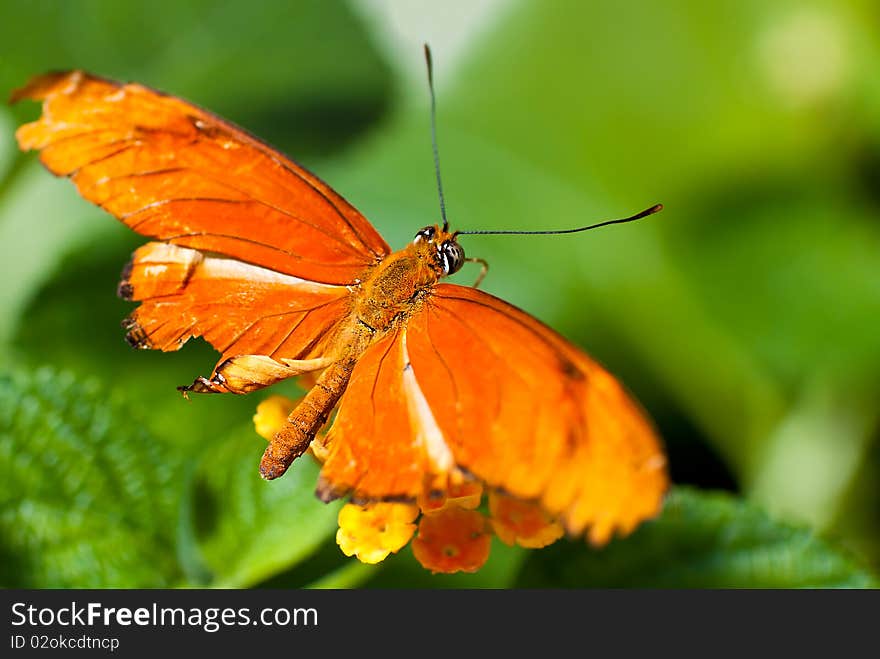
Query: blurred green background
746 316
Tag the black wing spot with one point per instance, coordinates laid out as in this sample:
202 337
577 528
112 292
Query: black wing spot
136 337
125 290
570 370
327 491
126 270
209 130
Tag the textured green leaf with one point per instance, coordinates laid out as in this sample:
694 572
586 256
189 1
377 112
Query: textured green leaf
87 497
247 529
702 540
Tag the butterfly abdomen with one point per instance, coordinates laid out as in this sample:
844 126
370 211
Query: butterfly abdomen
306 419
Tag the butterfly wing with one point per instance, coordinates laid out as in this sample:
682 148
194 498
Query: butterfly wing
384 442
243 310
256 251
507 399
172 171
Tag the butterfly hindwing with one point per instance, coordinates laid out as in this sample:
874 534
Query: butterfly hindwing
385 443
513 404
240 309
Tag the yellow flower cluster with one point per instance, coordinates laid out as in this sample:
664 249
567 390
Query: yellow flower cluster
448 531
373 531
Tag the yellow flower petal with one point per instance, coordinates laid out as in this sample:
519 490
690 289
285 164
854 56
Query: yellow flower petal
373 531
271 415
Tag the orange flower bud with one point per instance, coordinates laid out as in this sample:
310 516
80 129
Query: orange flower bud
452 540
522 522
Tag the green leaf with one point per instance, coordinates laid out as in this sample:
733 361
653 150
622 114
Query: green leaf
350 575
701 540
87 497
246 529
826 439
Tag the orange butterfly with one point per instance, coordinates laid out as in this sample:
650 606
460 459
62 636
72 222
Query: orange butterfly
438 386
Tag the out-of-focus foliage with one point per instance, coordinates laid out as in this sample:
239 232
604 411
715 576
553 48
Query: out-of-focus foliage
245 531
126 516
702 541
88 497
744 316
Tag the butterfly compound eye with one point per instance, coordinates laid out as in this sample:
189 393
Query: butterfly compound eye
425 234
452 256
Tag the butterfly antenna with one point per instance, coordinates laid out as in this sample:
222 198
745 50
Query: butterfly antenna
434 137
638 216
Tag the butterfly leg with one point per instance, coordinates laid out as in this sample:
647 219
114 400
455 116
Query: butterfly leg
484 268
246 373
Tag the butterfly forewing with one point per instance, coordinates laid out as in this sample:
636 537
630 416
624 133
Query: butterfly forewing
175 172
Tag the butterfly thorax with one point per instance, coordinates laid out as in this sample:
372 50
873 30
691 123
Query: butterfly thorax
395 287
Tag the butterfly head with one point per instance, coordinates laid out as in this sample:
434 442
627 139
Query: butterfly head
442 247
